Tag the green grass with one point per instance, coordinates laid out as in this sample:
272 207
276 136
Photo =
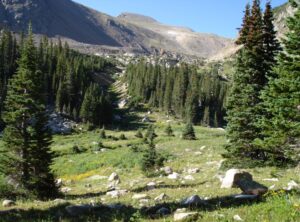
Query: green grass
204 153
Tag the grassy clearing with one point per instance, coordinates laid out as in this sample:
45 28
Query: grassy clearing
76 171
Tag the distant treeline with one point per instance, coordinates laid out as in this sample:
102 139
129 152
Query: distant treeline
69 81
197 96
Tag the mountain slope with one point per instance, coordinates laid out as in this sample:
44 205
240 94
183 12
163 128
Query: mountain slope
70 20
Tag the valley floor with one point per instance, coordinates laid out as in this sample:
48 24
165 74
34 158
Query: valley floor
85 180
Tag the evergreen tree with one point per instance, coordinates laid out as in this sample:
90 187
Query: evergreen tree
151 159
189 132
244 31
150 134
169 131
139 134
244 103
281 100
26 157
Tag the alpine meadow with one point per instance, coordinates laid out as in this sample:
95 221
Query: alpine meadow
124 118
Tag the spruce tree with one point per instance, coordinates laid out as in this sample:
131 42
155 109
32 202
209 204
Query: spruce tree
26 156
169 131
244 103
281 100
151 159
189 132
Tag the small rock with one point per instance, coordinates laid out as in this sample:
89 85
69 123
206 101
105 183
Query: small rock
292 185
272 187
168 170
116 193
113 177
161 197
140 196
189 177
194 200
151 186
193 171
202 147
66 189
163 211
237 218
59 182
198 153
88 185
174 176
191 216
8 203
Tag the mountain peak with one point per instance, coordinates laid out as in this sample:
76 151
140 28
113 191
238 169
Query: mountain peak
128 16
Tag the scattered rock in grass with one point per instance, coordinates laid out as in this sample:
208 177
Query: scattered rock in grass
163 211
65 189
113 177
116 193
187 150
97 177
193 170
77 210
103 150
161 197
185 216
8 203
198 153
292 185
237 218
174 176
88 185
234 175
167 170
59 182
189 177
202 147
194 200
140 196
271 179
151 186
272 187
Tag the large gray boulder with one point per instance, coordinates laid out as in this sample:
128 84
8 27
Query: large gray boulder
234 175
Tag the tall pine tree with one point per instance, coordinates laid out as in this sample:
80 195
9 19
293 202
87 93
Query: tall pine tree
251 76
281 124
26 156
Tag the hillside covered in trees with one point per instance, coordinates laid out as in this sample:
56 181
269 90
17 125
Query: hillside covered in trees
191 93
70 80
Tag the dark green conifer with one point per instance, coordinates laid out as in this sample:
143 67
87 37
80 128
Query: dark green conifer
189 132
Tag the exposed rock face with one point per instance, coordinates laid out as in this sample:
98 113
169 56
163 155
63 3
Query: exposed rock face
128 32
